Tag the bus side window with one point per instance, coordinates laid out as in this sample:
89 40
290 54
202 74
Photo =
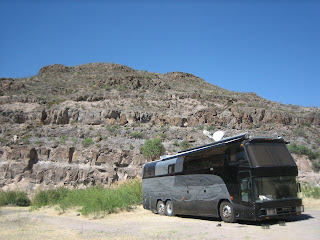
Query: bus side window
149 170
171 168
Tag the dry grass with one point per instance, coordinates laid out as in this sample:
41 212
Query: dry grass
47 223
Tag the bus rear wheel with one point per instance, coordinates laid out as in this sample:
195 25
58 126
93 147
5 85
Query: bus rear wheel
226 212
161 207
169 208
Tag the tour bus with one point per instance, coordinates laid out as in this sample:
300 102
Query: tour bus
240 177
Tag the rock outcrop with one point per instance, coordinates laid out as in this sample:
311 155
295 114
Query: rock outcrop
77 126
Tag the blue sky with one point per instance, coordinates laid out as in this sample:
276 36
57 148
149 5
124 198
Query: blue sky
270 47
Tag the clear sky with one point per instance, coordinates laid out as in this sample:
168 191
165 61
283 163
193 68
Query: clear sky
270 47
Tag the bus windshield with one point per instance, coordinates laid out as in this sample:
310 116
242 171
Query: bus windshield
274 188
265 154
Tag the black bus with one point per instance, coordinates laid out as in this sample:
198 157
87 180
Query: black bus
241 177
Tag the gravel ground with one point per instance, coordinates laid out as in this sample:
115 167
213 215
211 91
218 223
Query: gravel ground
47 223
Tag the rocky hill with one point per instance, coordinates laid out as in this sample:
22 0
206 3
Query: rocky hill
85 125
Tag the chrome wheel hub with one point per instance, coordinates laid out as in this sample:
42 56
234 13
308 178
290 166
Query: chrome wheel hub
161 208
226 211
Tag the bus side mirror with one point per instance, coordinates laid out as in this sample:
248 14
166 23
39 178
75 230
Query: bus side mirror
299 187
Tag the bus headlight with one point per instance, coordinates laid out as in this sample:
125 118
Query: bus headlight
271 211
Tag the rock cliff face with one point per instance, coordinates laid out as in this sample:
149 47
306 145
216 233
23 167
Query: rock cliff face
77 126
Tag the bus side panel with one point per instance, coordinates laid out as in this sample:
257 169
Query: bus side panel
195 194
200 194
158 188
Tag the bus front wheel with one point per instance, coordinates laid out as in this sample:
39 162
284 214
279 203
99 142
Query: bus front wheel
169 208
161 207
226 212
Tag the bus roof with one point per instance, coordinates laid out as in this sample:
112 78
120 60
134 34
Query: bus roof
242 136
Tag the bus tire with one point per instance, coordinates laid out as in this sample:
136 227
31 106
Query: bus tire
169 208
226 212
161 207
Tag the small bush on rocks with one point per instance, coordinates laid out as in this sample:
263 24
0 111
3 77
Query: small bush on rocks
152 148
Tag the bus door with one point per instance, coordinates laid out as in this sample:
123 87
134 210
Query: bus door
245 188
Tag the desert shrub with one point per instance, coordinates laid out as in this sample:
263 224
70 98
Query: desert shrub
17 198
200 127
306 124
120 88
49 197
26 138
136 135
162 136
55 102
87 142
316 164
300 132
152 148
95 200
112 130
63 139
164 129
211 128
185 144
303 150
107 87
22 200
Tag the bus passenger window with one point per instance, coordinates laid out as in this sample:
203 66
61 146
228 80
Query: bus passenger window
171 168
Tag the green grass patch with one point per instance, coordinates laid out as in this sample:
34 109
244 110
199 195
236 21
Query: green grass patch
107 87
87 142
63 139
137 135
185 145
300 132
97 200
162 136
113 130
211 128
17 198
120 88
25 138
200 127
310 191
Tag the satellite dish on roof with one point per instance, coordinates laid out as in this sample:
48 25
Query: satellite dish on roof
218 135
207 133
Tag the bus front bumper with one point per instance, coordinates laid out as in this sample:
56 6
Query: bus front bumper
278 209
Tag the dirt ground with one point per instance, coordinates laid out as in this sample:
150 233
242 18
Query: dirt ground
47 223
